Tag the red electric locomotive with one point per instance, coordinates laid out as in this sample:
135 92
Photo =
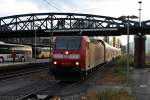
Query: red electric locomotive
74 57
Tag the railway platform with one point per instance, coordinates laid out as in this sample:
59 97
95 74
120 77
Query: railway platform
140 83
17 65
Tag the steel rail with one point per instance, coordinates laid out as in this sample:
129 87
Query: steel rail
19 73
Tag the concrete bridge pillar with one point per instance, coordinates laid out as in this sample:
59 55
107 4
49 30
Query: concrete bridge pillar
139 50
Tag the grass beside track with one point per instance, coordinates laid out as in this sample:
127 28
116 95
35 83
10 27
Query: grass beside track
107 95
117 73
115 76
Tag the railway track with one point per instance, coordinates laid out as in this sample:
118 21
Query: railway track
22 72
54 91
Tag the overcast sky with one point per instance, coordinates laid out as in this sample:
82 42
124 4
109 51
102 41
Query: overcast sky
113 8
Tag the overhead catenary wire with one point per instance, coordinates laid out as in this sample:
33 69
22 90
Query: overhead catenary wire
52 5
59 6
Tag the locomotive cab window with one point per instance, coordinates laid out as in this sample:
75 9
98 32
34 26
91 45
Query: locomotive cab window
72 43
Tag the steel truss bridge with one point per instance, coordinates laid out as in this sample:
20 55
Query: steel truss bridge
69 24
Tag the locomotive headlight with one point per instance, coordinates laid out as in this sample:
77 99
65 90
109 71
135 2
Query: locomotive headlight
77 63
66 52
55 62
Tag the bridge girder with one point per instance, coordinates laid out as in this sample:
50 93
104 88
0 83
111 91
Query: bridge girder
25 25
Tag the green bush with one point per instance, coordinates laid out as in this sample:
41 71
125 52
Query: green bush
123 60
119 70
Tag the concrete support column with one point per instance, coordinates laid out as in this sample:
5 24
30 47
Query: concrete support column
139 50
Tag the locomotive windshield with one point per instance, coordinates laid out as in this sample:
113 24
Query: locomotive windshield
68 43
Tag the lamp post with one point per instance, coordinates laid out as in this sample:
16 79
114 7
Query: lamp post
140 2
51 44
35 36
128 39
50 41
